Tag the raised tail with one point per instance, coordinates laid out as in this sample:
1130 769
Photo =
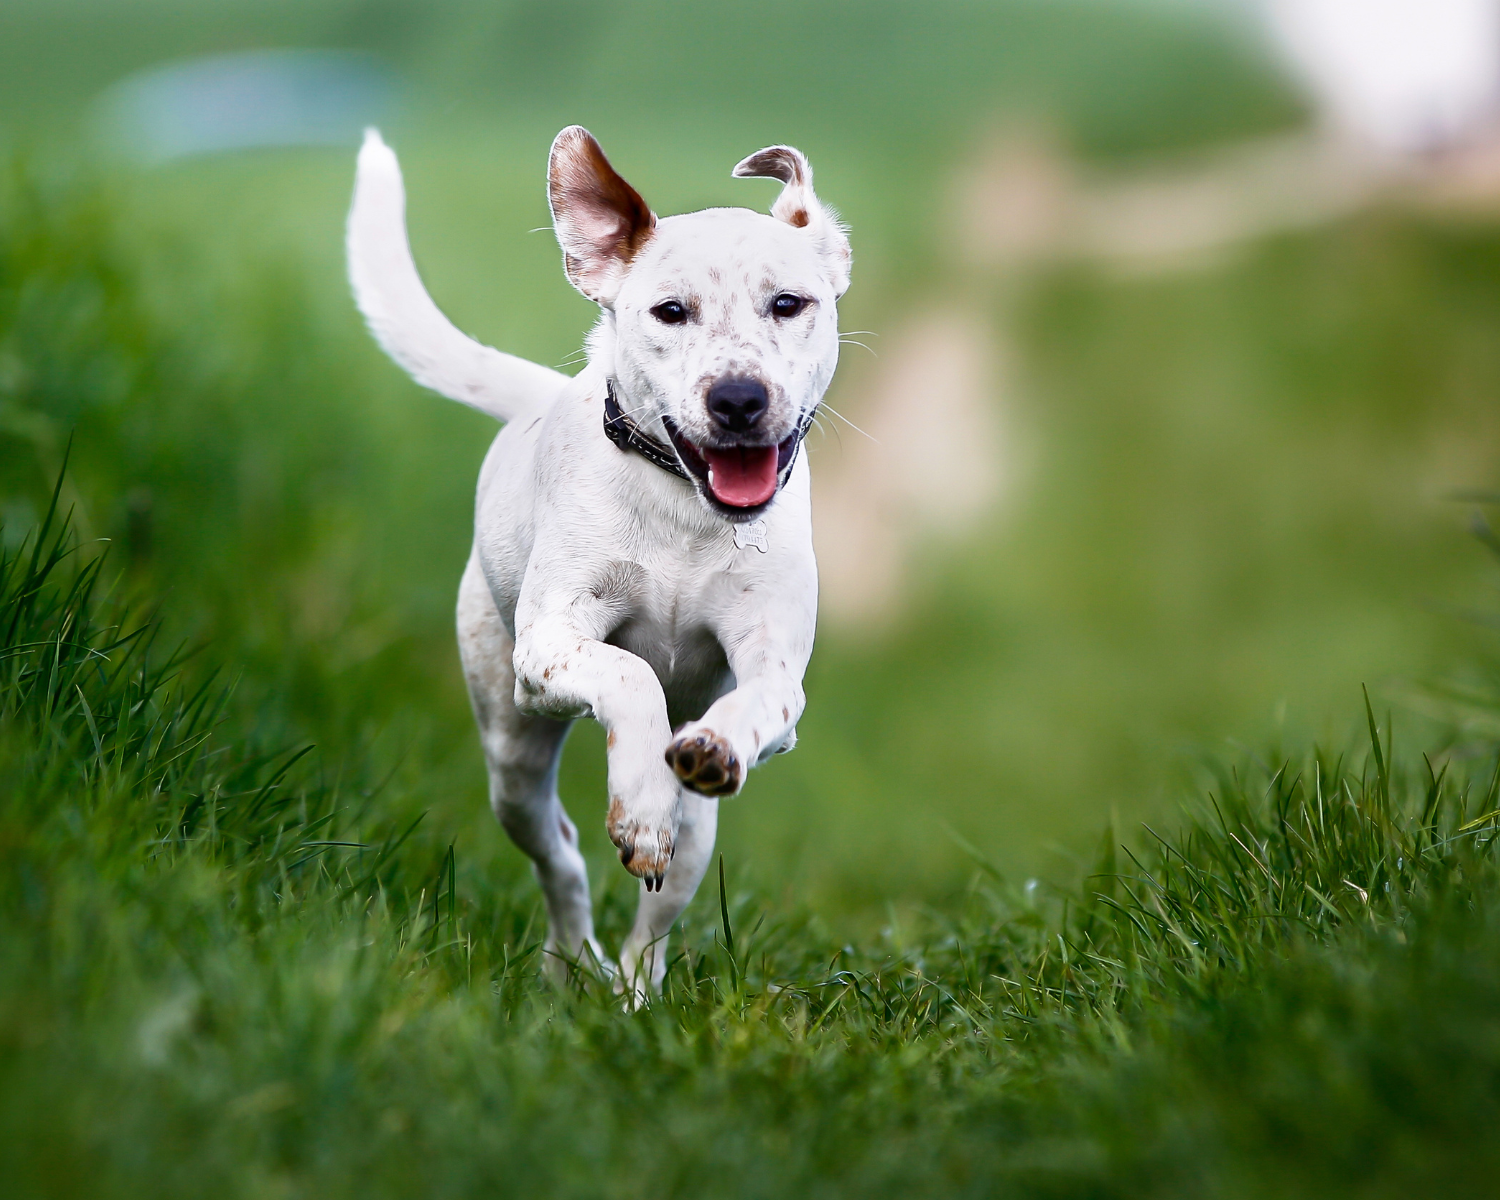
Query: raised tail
404 319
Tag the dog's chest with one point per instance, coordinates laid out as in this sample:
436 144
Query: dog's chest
666 618
690 664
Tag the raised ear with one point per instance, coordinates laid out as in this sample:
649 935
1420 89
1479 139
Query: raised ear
600 220
799 206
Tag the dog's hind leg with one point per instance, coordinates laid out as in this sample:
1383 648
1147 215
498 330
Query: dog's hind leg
522 754
643 958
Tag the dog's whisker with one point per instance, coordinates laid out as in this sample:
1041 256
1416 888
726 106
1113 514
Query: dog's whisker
838 435
824 430
849 423
847 341
630 413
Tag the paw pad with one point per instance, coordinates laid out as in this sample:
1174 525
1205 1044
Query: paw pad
705 763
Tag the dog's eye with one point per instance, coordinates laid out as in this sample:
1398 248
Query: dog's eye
670 312
787 305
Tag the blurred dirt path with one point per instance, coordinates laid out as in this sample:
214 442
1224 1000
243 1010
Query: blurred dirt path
931 457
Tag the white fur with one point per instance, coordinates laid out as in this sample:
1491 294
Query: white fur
600 585
403 318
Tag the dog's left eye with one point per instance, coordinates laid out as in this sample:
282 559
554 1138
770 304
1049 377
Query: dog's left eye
670 312
787 305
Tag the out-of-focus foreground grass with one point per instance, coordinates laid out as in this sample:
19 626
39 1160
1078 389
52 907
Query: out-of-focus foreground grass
1223 496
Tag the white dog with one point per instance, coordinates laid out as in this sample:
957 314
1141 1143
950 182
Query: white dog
642 543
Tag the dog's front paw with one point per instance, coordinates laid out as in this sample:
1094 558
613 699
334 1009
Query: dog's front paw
705 763
646 846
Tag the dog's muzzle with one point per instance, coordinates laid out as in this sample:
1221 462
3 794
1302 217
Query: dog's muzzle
736 478
738 481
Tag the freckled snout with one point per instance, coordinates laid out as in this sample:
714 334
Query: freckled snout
737 404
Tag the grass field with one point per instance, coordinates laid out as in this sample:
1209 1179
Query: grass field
260 935
223 972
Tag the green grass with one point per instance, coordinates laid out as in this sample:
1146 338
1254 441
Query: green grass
224 972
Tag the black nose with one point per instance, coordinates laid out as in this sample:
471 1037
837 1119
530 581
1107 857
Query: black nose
737 404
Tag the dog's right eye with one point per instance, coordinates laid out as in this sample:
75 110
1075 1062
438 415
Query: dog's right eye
670 312
787 305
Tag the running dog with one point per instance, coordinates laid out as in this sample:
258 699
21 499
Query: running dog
642 534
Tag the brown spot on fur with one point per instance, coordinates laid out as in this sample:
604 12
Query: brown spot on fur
798 218
610 740
786 714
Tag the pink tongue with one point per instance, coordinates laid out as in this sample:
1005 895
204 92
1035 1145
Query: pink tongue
742 477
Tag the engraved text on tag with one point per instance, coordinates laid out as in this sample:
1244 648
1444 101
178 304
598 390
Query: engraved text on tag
751 533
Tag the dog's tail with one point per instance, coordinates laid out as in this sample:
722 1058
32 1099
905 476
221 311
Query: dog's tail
404 319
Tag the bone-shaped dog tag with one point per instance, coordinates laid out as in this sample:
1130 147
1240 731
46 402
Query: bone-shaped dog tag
751 533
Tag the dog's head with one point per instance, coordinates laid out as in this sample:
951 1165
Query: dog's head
724 322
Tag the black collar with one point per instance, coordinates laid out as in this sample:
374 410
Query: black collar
627 435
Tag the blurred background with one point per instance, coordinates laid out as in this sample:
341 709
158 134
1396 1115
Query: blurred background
1180 325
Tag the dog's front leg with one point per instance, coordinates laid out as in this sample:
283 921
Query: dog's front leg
564 670
746 726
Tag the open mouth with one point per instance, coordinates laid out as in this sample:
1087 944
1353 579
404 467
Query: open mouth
738 478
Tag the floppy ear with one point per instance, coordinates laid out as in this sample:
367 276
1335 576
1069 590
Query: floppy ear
799 206
600 220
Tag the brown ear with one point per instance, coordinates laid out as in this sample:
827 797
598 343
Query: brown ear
600 220
799 206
